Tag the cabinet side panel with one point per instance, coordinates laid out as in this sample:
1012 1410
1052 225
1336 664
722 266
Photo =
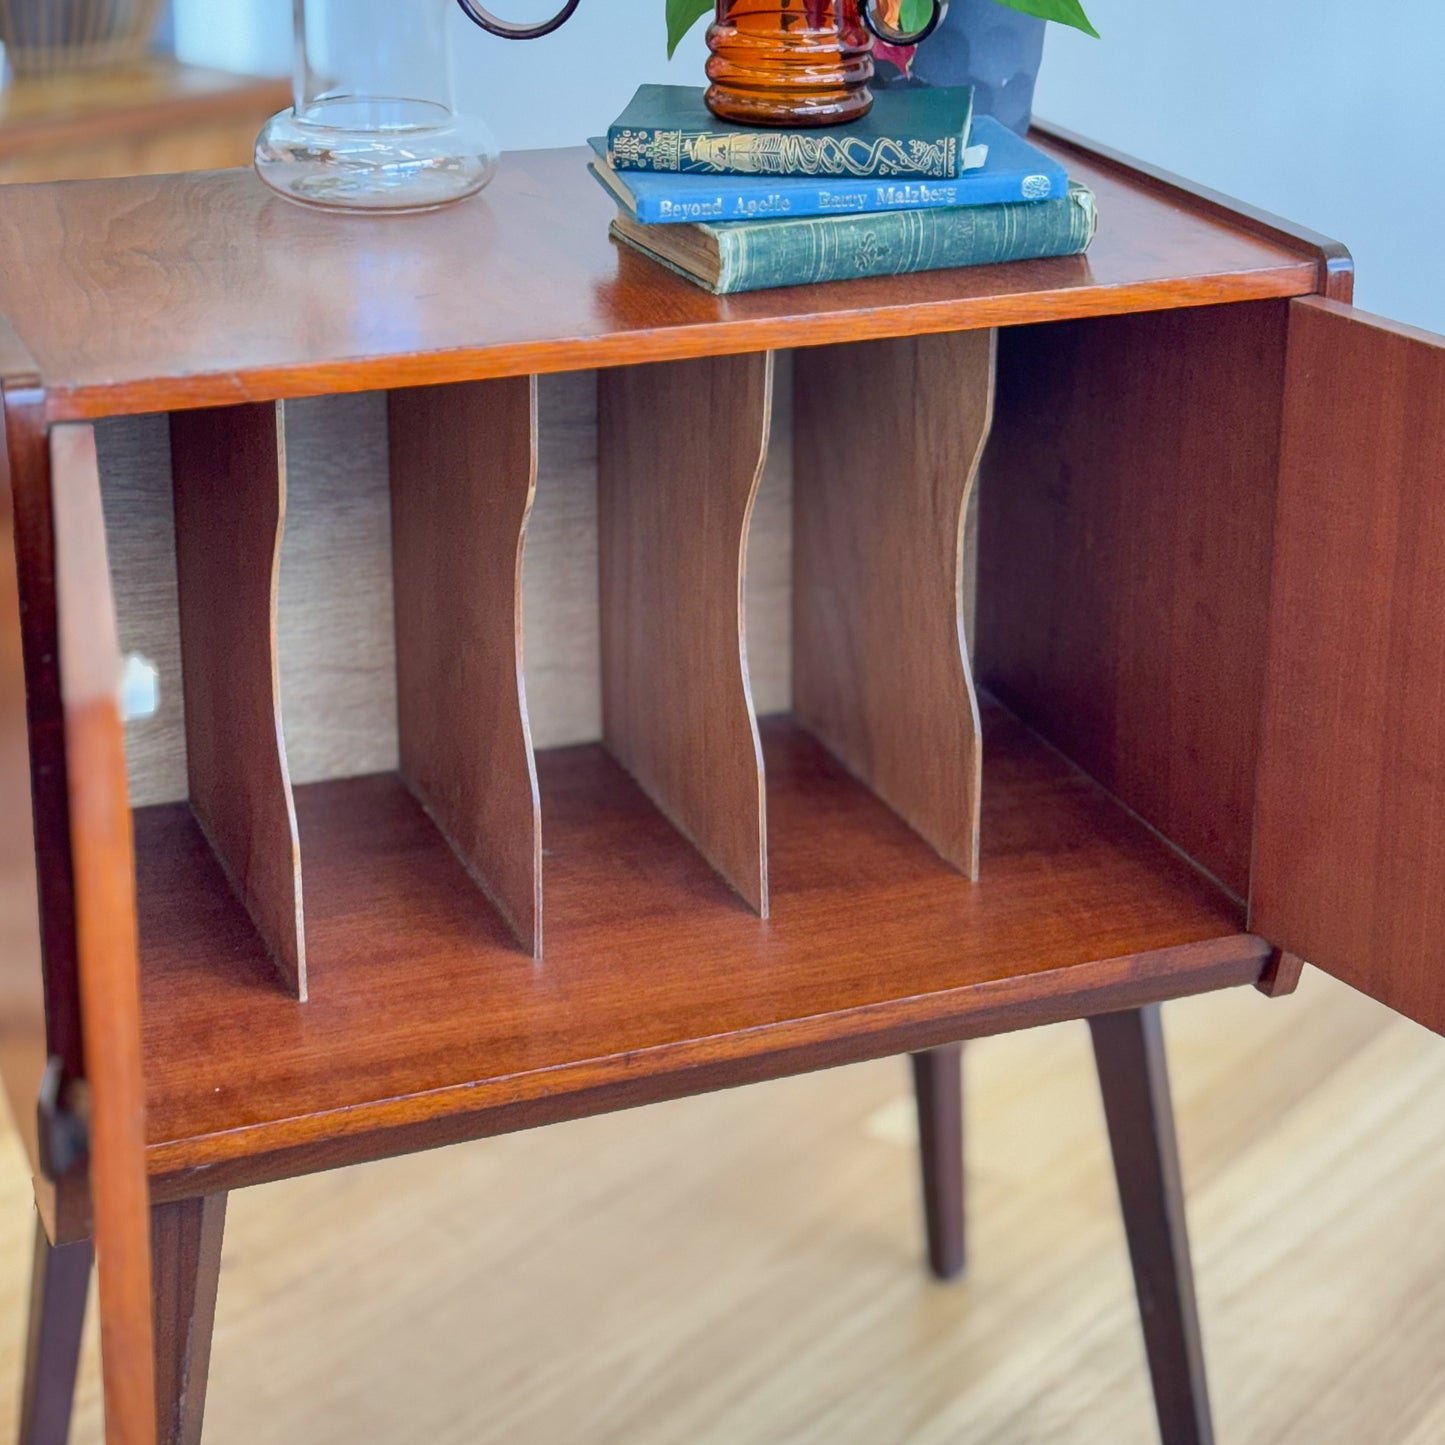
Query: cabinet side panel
1126 517
1350 846
107 947
28 458
23 1049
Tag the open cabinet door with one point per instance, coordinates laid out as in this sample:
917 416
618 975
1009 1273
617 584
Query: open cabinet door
104 874
1349 849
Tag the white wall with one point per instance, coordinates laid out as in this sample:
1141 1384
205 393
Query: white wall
246 35
1330 112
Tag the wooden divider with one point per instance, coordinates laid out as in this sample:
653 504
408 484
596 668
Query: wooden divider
887 445
229 477
681 454
463 474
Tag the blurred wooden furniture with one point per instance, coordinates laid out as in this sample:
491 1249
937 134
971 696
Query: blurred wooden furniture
149 118
314 944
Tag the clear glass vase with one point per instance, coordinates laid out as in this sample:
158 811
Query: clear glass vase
374 126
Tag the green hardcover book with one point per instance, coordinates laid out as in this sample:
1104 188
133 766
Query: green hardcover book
919 133
755 255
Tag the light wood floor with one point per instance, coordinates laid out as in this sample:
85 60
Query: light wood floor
744 1268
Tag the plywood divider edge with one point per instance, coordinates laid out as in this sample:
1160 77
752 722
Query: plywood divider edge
681 452
888 439
463 478
229 477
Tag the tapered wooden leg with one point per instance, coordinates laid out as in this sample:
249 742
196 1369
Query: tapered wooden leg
186 1251
938 1089
59 1282
1129 1052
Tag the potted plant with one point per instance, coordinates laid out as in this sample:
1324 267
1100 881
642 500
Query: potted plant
993 45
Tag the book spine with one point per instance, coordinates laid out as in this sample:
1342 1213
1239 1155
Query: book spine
798 253
784 153
755 203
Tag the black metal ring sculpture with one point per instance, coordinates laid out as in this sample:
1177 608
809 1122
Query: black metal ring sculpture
510 31
889 35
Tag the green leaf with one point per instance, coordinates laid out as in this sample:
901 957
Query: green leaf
1066 12
682 15
914 15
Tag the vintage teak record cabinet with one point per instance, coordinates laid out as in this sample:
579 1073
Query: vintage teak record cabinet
371 880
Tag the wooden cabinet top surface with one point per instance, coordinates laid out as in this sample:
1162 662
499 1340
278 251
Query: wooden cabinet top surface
162 293
157 93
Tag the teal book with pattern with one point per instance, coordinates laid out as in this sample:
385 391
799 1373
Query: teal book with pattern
917 133
726 257
1009 169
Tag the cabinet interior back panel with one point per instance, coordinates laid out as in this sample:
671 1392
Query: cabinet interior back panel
335 620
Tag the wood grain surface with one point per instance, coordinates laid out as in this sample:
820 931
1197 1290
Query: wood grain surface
23 1041
1139 1110
78 113
1126 510
463 474
1349 863
207 289
59 1286
1282 975
148 117
140 538
681 449
186 1259
938 1095
28 457
230 512
335 617
106 936
1335 268
888 440
658 981
335 614
18 369
746 1267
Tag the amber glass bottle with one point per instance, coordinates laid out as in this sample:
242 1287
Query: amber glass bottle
789 62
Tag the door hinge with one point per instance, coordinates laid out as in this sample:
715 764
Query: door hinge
63 1121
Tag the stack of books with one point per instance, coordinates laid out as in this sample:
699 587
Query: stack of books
918 184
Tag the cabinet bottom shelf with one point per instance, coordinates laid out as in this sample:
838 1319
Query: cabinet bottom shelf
426 1024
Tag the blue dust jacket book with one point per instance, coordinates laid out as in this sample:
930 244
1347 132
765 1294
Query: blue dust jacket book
1013 171
918 132
729 256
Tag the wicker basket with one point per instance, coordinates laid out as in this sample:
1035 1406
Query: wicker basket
45 36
